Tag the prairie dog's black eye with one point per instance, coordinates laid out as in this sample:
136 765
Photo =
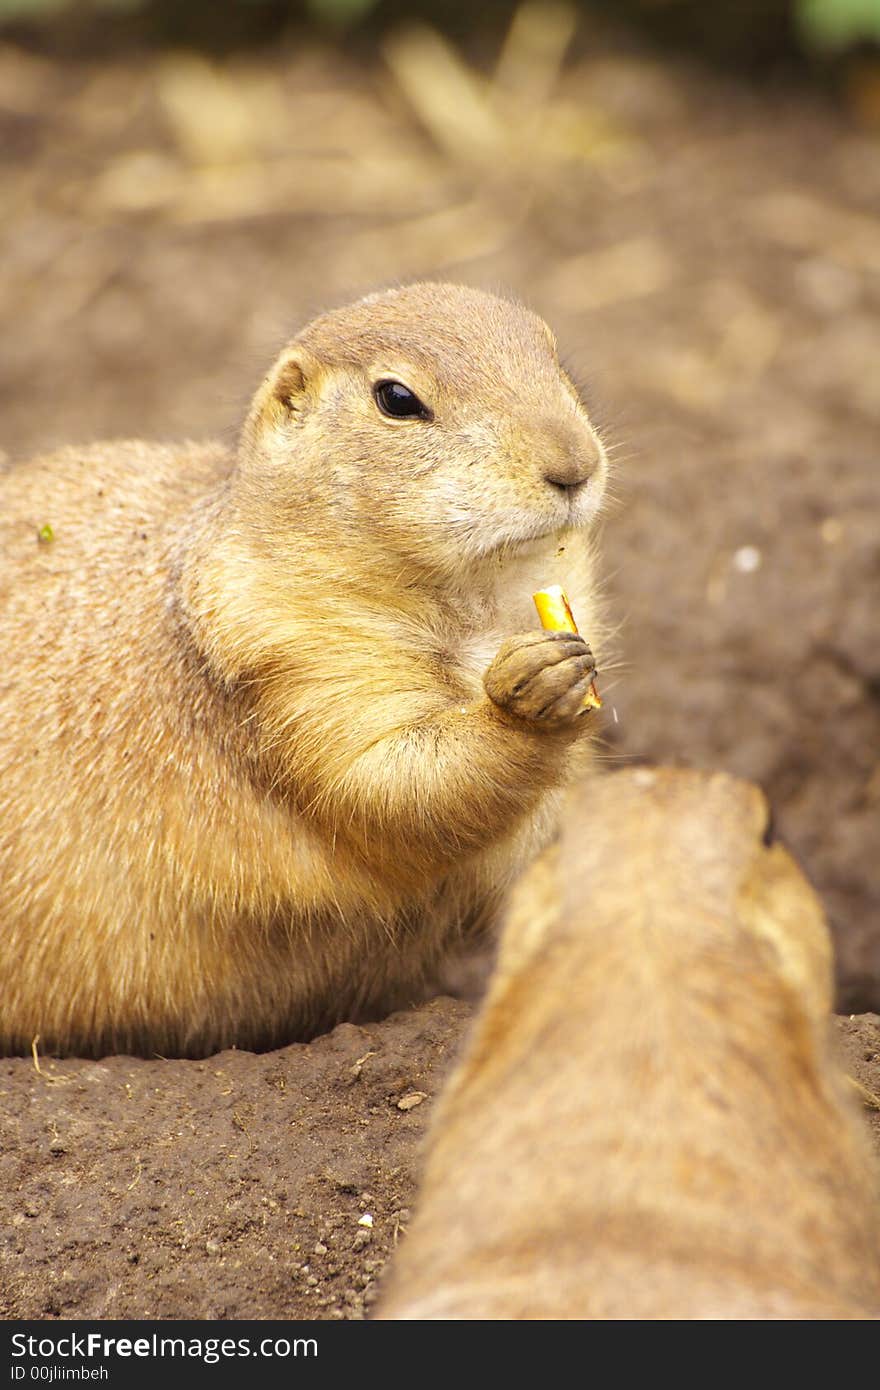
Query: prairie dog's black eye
398 401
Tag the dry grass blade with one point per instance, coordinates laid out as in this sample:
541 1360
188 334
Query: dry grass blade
450 100
54 1080
534 51
869 1100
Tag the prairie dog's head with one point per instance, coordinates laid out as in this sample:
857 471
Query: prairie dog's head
675 857
436 418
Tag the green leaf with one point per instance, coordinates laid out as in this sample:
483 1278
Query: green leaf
833 25
339 12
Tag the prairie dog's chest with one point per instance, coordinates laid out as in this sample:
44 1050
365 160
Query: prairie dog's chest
510 608
476 653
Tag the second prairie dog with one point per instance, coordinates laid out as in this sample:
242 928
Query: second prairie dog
278 726
648 1121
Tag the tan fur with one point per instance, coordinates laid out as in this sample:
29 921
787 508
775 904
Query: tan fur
251 779
648 1121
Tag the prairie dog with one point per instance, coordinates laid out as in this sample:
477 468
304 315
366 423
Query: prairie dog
647 1121
277 725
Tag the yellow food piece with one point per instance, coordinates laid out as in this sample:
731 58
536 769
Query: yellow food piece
556 616
554 610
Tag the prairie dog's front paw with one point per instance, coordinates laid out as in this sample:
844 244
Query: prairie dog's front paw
543 677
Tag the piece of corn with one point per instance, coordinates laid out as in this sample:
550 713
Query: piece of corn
556 616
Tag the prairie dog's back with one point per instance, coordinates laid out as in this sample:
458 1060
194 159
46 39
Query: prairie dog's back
84 534
648 1120
104 715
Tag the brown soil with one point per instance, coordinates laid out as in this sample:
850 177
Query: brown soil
234 1187
230 1188
709 254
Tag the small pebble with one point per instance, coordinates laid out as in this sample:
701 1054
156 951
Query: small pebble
320 1248
213 1247
366 1219
747 559
411 1100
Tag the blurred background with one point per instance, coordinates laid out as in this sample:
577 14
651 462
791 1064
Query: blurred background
689 193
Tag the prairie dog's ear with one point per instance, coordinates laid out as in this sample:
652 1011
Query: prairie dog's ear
283 397
291 377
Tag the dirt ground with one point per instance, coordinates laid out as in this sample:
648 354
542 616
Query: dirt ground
230 1188
237 1187
709 253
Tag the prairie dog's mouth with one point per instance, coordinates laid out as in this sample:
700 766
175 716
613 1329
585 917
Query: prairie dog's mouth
517 532
534 543
576 514
537 547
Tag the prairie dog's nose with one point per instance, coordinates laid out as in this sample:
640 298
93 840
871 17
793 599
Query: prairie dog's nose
573 461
